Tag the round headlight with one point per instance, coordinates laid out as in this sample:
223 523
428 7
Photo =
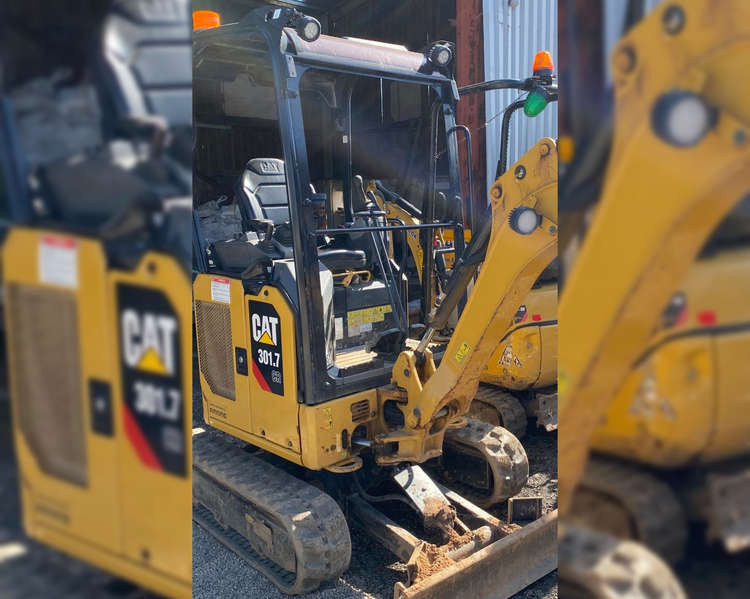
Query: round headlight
524 220
308 28
682 118
440 55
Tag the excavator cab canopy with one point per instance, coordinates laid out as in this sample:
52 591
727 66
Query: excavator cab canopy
291 136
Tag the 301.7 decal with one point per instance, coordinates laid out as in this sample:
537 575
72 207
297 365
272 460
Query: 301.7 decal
267 360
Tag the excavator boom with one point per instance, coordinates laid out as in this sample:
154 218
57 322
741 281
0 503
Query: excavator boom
524 227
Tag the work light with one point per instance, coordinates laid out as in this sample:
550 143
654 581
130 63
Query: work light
308 28
524 220
682 118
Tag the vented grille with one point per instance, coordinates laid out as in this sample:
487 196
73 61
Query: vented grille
46 378
212 324
360 410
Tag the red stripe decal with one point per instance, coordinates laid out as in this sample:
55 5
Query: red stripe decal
261 381
707 318
139 441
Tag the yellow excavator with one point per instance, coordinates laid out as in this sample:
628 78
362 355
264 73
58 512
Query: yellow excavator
96 306
318 405
631 387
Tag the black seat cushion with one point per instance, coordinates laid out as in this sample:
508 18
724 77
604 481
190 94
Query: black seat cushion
261 191
341 260
238 256
90 192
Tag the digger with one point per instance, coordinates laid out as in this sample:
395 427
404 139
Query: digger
318 403
97 315
623 372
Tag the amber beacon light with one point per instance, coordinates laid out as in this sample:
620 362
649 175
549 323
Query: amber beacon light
205 19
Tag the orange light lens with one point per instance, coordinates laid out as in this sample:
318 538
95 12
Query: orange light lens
205 19
543 62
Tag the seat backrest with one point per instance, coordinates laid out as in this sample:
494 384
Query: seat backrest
261 190
146 60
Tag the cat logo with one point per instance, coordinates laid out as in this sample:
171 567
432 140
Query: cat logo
148 341
265 329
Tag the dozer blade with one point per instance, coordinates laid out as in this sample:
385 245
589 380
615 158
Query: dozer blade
498 571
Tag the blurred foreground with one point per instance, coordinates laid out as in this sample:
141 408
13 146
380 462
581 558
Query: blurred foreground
95 142
655 322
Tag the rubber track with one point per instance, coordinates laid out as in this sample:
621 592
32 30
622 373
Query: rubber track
312 521
502 452
594 564
511 413
658 516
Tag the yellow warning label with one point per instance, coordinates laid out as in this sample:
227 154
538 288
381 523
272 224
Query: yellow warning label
326 419
357 318
151 362
462 352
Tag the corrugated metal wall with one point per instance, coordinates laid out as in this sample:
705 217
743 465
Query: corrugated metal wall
614 19
514 31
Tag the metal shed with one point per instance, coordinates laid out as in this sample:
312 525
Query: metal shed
514 31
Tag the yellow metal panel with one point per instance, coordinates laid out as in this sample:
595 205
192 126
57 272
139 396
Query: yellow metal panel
156 506
664 413
516 361
527 355
275 417
257 416
50 504
221 409
548 363
731 435
322 427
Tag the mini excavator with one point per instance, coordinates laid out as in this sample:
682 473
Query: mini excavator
320 406
95 274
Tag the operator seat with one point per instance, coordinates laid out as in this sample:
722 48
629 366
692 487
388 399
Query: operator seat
142 70
145 63
261 194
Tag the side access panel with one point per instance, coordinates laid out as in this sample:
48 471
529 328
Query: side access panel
152 318
62 366
247 355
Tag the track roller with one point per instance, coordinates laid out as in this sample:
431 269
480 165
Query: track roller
497 407
486 463
630 503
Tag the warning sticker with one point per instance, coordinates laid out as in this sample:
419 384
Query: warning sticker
357 318
267 363
462 352
220 290
58 261
339 324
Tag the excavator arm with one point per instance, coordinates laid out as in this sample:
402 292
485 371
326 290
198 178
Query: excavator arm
521 240
679 162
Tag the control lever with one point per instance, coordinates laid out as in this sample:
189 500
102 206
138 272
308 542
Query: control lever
265 226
